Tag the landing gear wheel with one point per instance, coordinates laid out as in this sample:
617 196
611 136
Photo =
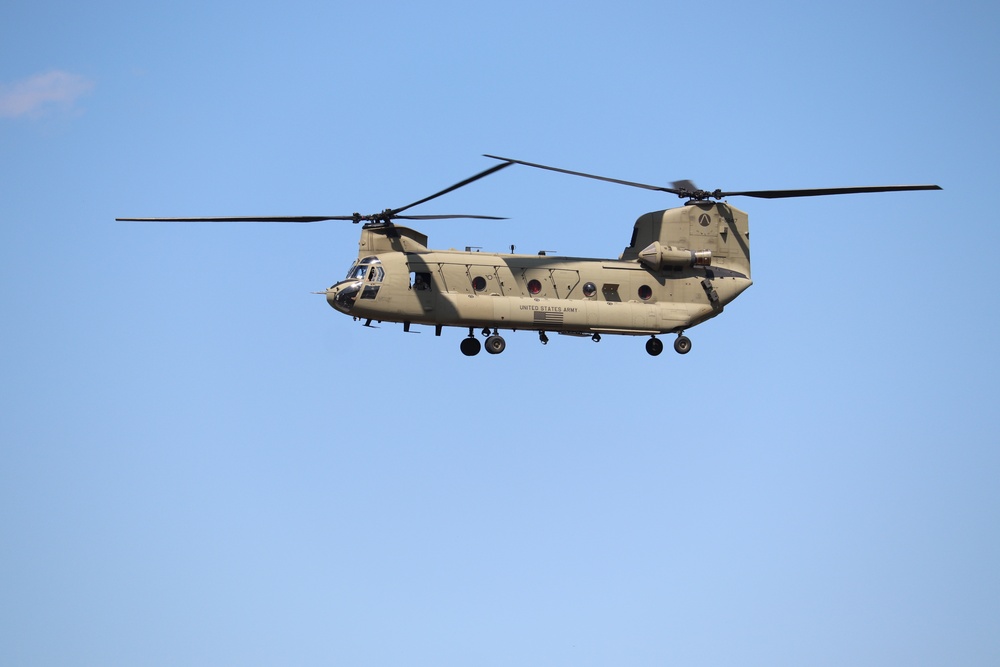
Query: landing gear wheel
495 344
470 347
682 345
654 346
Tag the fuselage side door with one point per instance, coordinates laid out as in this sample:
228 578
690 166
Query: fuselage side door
537 282
565 282
456 278
485 281
372 280
422 283
506 282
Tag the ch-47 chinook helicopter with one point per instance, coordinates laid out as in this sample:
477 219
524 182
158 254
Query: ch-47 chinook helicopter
682 267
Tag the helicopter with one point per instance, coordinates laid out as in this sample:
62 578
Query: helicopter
681 268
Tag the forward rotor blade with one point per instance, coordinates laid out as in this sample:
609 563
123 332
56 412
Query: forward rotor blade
819 192
313 218
458 185
658 188
383 217
284 218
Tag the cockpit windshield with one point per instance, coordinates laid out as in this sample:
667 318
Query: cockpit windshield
369 268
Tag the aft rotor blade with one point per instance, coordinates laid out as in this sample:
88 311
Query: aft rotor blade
686 188
819 192
658 188
283 218
447 217
458 185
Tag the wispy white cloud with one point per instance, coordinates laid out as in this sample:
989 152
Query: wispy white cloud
37 93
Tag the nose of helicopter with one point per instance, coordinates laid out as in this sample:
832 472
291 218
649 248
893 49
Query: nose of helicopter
343 295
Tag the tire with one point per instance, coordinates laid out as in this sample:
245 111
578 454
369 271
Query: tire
654 346
495 344
470 347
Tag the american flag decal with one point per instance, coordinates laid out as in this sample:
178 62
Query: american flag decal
548 317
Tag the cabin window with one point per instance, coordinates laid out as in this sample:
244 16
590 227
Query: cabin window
420 281
534 287
479 283
645 292
589 289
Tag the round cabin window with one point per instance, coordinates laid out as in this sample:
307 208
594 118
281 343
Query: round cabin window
645 292
534 287
479 283
589 289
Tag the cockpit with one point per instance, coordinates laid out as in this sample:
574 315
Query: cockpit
368 268
363 281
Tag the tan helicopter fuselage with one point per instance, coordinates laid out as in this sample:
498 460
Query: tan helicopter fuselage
681 268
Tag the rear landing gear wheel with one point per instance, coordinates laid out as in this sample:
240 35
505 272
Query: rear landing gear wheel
654 346
682 345
471 346
495 344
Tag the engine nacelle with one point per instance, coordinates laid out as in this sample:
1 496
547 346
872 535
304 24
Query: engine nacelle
657 256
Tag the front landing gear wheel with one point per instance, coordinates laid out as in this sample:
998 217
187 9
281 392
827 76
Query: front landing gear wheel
471 346
495 344
654 346
682 345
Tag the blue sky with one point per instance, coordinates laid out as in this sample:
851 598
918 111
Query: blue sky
202 463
